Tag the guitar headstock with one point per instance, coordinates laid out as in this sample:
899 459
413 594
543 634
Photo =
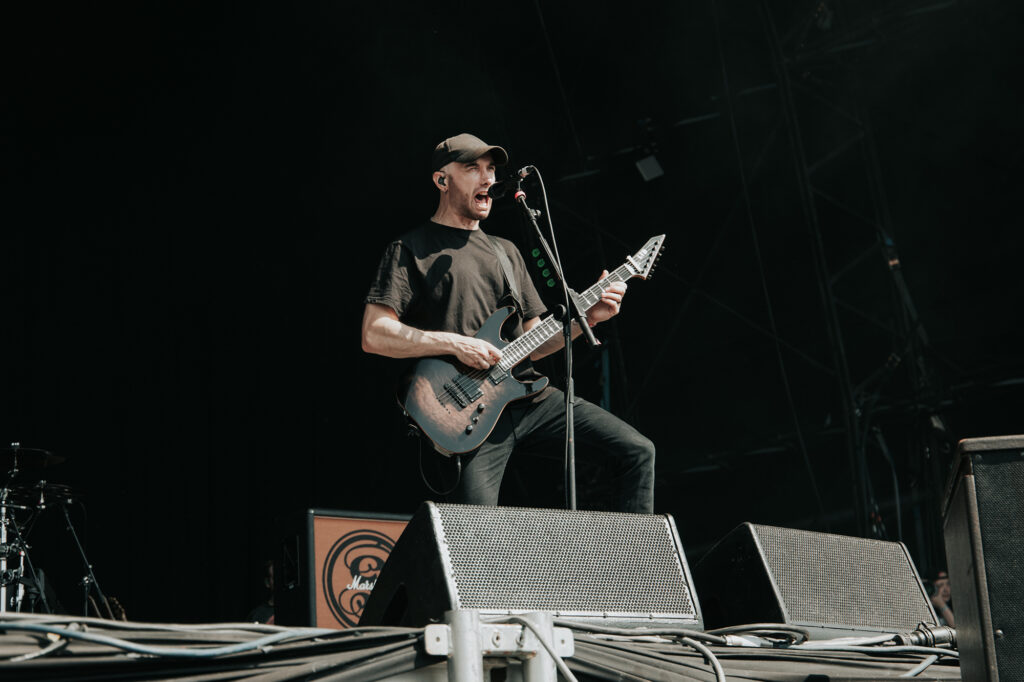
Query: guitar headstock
641 264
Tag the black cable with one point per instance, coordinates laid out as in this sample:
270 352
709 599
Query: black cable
423 474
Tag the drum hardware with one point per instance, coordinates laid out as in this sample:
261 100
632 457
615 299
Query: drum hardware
13 554
20 505
18 578
88 581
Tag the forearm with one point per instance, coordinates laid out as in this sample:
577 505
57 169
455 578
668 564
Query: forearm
394 339
945 612
384 334
555 343
604 309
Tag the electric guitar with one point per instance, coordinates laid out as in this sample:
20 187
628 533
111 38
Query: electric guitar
457 407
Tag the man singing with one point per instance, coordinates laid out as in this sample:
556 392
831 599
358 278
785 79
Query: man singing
434 288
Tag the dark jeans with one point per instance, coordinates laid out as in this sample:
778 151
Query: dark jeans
540 428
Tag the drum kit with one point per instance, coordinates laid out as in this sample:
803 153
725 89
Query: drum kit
24 497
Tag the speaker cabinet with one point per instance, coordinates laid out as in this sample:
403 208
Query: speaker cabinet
831 585
983 525
328 564
612 568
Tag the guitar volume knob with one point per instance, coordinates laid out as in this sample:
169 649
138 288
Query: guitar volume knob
469 428
480 407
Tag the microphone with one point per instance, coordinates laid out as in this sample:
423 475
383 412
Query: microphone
501 187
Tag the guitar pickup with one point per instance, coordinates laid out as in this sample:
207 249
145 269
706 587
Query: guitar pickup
457 395
462 393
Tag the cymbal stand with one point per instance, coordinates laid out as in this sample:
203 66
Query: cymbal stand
89 581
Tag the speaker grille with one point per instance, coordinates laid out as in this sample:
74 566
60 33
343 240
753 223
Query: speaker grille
575 563
836 579
999 479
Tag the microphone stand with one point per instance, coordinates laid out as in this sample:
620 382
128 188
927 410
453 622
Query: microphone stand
88 581
570 312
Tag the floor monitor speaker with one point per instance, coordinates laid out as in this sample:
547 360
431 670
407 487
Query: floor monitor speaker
831 585
612 568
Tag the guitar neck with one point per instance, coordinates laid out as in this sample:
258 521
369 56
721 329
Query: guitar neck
519 349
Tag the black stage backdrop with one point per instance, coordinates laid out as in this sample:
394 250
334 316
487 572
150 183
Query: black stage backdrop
196 194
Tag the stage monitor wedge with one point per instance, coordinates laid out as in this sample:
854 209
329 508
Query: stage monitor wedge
616 569
830 585
983 525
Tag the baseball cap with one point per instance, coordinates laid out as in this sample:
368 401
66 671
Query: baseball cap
465 148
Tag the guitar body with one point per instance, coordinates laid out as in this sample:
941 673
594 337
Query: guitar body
456 406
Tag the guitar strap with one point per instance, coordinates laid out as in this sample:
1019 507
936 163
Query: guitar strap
506 267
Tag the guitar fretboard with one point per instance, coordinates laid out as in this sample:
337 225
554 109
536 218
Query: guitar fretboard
519 349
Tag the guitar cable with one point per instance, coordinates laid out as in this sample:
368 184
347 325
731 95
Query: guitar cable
423 474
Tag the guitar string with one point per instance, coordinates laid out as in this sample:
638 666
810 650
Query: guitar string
588 298
514 352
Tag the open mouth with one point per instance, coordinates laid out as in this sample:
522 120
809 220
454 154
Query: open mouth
482 199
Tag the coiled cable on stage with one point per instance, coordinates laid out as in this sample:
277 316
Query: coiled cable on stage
167 651
68 620
632 632
925 641
782 637
56 645
690 638
792 633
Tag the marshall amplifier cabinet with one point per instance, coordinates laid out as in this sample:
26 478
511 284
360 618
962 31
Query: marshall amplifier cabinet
327 564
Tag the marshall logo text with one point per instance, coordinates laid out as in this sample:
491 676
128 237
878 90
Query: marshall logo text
351 570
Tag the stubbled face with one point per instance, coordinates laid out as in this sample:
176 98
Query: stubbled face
467 185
